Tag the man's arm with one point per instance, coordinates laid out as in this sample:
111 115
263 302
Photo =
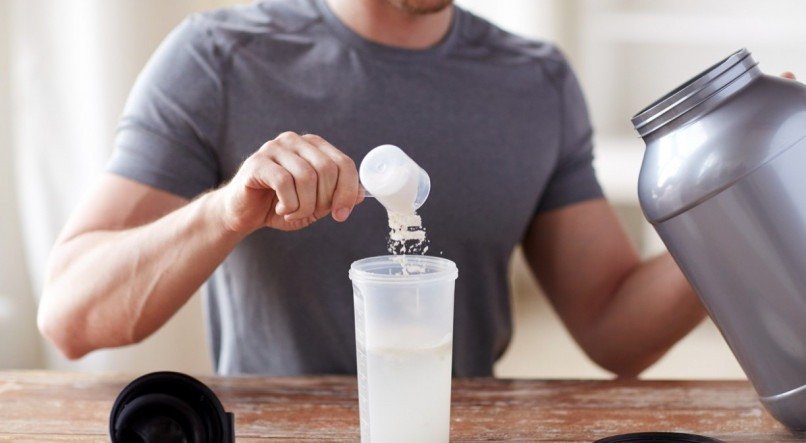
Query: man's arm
128 259
131 255
624 313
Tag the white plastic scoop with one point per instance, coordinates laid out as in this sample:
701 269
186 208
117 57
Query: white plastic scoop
394 179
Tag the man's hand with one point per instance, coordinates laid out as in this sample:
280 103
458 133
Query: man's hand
788 75
289 183
107 282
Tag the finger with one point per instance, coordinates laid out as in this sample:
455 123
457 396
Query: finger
347 188
327 174
304 182
264 173
788 75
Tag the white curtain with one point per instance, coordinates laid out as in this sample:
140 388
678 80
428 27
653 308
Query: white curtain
19 347
71 65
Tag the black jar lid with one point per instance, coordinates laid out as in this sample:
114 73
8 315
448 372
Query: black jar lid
169 407
658 437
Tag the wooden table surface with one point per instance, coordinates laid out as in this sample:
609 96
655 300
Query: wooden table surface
59 406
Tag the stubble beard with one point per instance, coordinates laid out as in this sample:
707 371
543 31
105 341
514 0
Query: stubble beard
421 7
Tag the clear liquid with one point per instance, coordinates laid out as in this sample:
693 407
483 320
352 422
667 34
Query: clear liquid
409 394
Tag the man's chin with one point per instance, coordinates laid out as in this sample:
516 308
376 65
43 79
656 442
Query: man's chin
421 7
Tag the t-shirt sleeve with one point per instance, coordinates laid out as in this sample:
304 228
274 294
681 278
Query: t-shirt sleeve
573 179
169 128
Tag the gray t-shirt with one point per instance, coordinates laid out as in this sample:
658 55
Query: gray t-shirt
498 122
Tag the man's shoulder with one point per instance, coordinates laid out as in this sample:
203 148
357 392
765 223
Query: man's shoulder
258 19
490 43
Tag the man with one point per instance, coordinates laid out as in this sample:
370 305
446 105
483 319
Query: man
194 187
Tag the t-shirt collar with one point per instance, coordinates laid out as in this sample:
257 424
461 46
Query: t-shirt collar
353 39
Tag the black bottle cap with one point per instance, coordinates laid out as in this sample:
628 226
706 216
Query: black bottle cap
169 407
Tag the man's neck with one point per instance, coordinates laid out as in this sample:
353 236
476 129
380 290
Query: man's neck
381 22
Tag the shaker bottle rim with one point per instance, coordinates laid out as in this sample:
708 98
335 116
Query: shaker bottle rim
378 269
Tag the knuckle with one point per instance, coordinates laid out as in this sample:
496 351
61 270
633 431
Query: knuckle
345 162
249 166
329 168
313 138
284 179
256 161
308 175
287 136
269 146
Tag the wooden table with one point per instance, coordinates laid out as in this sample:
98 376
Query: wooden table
58 406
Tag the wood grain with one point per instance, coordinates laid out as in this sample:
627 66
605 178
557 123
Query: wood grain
59 406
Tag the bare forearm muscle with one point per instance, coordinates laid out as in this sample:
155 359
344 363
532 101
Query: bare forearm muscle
109 288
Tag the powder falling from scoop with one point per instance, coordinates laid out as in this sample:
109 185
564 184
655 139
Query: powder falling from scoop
401 186
406 234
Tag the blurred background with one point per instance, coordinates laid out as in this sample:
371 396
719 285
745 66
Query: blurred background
66 68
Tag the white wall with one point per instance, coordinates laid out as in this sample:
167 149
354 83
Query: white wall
529 18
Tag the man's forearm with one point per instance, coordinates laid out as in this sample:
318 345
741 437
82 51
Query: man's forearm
653 308
111 288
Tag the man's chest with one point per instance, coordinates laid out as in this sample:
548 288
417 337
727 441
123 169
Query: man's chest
488 145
